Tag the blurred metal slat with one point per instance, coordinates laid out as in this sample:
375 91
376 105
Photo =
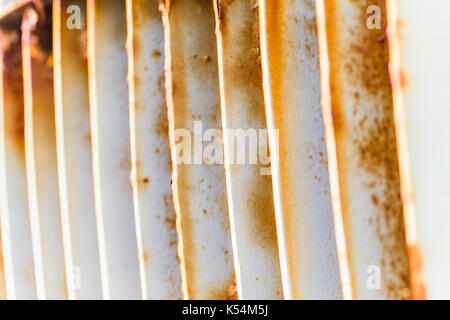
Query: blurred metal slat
250 197
40 146
15 221
150 153
108 93
192 93
74 152
290 62
364 176
419 53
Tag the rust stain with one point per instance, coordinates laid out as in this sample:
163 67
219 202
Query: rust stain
145 256
242 69
277 46
245 71
156 53
364 62
13 88
416 266
230 293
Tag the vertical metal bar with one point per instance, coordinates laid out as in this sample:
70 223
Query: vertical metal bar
15 219
290 63
192 92
150 153
362 153
40 145
250 196
108 91
74 150
419 53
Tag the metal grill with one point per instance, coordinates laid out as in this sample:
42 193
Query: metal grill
218 149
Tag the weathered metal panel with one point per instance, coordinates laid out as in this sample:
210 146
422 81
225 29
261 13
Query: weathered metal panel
40 146
364 176
290 62
73 134
250 196
150 153
419 52
15 220
108 93
192 92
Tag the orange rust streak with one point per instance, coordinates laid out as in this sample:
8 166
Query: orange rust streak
242 71
417 280
13 90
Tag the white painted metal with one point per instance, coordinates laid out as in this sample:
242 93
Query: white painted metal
150 153
74 150
15 220
420 65
40 146
108 90
250 196
290 63
192 92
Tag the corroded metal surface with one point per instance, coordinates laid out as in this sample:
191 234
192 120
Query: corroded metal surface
15 221
73 133
419 71
110 132
192 92
135 183
362 154
250 197
150 153
290 62
40 145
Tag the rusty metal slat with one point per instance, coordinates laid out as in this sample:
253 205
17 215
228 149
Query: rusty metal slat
290 63
74 151
40 146
250 196
192 93
108 91
150 153
419 71
15 220
362 155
